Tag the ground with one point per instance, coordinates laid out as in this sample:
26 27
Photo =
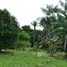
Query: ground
29 59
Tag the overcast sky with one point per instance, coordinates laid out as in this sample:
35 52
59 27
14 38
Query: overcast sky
25 10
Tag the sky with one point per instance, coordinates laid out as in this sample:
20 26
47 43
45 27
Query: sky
26 11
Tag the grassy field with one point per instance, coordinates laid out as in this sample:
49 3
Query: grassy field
29 59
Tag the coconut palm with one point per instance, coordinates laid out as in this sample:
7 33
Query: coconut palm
49 20
34 23
48 23
61 29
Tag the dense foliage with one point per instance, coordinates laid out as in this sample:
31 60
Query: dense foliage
8 29
52 38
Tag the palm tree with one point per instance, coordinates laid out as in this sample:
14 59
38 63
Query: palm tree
48 23
49 20
62 23
34 23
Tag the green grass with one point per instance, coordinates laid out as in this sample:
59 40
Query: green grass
29 59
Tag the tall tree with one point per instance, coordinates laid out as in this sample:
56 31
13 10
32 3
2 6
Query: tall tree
62 23
34 23
8 31
48 21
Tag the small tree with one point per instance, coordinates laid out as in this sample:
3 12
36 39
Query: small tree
23 40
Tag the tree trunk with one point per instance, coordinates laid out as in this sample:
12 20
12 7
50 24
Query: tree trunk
0 49
65 43
34 37
65 47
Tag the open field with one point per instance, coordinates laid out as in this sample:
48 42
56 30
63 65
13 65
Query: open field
29 59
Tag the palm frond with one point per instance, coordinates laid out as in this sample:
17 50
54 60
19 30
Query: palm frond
62 4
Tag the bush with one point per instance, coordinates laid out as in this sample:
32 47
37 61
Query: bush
22 45
37 47
60 55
